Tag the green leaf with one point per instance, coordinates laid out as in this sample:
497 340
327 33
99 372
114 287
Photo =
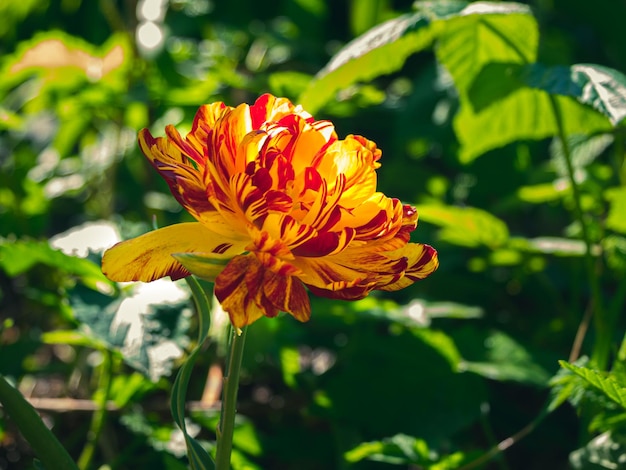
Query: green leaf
399 449
32 427
552 246
470 35
601 88
545 192
199 458
148 328
525 114
508 102
503 359
466 226
604 452
616 219
20 256
607 384
483 33
380 51
204 266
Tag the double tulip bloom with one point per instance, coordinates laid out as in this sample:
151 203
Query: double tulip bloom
281 205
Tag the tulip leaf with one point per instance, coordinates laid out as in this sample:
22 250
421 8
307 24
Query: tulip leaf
204 265
605 383
466 226
199 458
34 430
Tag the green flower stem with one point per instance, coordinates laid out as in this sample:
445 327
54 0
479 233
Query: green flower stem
602 344
99 416
48 449
226 426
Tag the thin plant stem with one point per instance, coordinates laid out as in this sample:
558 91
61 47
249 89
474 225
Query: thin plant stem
226 426
508 442
602 344
99 415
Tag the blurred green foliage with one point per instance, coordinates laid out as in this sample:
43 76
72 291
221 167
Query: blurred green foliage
494 120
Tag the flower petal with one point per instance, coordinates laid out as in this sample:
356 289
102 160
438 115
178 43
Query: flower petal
247 290
236 288
149 256
422 262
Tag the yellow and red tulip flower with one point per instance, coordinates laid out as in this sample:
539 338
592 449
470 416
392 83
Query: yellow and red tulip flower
280 203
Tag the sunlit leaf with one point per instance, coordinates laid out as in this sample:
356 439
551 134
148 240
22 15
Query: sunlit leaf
584 150
616 219
606 451
402 449
614 248
598 87
466 226
552 245
148 328
290 364
64 61
20 256
483 33
199 458
525 114
399 449
381 50
545 192
604 382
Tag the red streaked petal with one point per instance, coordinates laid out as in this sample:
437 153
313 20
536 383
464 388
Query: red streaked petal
247 290
352 267
422 261
232 290
287 294
149 256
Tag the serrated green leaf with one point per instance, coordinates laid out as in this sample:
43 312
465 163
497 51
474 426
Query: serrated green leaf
466 226
607 384
483 33
525 114
380 51
147 331
507 360
601 88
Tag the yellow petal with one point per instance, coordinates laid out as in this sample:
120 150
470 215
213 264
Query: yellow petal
149 256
